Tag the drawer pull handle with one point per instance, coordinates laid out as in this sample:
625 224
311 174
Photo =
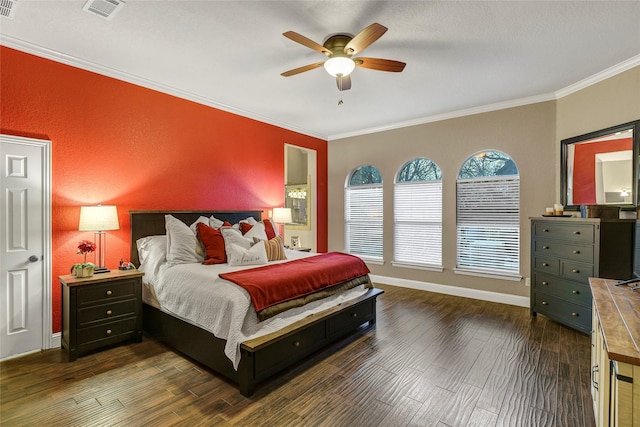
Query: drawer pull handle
575 314
296 343
545 303
575 292
354 315
575 270
109 293
576 233
545 247
545 283
594 370
109 312
576 252
545 230
108 331
544 264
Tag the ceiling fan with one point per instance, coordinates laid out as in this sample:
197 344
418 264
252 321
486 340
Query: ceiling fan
340 48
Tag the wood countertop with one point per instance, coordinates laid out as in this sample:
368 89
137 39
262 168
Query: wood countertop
618 309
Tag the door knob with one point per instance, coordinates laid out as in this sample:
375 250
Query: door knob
33 258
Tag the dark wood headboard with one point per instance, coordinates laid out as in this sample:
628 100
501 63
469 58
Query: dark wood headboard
151 223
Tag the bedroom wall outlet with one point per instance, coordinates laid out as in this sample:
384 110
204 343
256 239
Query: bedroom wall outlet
527 281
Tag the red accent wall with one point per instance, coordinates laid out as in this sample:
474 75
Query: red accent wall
114 142
584 179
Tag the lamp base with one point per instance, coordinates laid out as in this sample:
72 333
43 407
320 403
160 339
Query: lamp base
99 270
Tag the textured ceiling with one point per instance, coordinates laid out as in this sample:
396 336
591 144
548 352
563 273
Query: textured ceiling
461 56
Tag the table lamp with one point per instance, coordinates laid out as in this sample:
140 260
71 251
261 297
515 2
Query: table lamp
99 219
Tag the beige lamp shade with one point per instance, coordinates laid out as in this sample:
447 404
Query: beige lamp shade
282 215
98 218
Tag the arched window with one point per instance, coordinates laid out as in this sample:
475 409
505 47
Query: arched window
417 215
363 213
488 216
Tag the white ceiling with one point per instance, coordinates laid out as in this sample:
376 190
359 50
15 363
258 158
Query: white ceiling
462 56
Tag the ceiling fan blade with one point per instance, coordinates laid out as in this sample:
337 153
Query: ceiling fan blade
343 82
364 38
298 38
380 64
302 69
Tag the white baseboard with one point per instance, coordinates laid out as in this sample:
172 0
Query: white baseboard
56 340
517 300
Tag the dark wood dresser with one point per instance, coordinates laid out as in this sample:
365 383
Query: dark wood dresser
565 252
100 310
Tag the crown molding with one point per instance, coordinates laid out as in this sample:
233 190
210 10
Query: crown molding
56 56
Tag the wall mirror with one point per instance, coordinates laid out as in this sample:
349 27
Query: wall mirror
601 167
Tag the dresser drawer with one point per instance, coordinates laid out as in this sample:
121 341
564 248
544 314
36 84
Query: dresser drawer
115 331
569 251
110 311
568 290
578 233
573 315
106 292
548 265
577 271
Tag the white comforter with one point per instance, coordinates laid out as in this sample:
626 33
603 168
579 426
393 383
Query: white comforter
195 293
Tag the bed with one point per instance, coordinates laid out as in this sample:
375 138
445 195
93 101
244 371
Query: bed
260 357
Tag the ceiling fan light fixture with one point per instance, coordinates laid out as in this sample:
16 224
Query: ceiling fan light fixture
339 65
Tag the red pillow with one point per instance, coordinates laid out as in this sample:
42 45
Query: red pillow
245 227
270 229
214 244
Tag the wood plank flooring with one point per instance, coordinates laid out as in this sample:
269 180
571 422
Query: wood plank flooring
431 360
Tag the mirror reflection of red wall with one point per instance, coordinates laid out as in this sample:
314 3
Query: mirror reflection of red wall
584 171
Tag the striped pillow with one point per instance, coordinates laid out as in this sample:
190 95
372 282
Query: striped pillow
274 248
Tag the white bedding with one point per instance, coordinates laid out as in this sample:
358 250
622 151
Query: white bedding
195 293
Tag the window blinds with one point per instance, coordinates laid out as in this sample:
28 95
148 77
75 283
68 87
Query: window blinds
488 224
363 221
418 223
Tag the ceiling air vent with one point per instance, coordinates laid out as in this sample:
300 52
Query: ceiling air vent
8 8
105 8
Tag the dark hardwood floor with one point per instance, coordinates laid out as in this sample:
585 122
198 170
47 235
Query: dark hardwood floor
432 360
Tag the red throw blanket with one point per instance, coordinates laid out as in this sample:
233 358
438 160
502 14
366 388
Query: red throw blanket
273 284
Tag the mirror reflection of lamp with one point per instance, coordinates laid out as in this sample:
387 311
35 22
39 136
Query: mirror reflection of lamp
99 219
282 216
624 192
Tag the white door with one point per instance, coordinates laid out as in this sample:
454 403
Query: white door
23 231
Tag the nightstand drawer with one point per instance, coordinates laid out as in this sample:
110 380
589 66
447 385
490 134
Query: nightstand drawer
564 250
107 291
568 290
110 311
107 331
577 233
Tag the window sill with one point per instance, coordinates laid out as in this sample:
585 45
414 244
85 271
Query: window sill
490 274
375 261
427 267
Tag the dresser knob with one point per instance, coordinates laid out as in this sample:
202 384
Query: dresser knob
545 303
296 343
575 292
544 264
545 247
575 314
575 270
546 230
354 315
545 283
109 312
109 293
576 233
576 252
108 331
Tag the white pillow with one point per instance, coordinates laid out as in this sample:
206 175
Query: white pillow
232 236
152 252
183 246
215 222
249 220
194 226
257 231
237 255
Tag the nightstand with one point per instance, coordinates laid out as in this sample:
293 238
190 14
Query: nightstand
100 310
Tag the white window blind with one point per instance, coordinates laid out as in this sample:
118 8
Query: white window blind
363 221
418 223
488 224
